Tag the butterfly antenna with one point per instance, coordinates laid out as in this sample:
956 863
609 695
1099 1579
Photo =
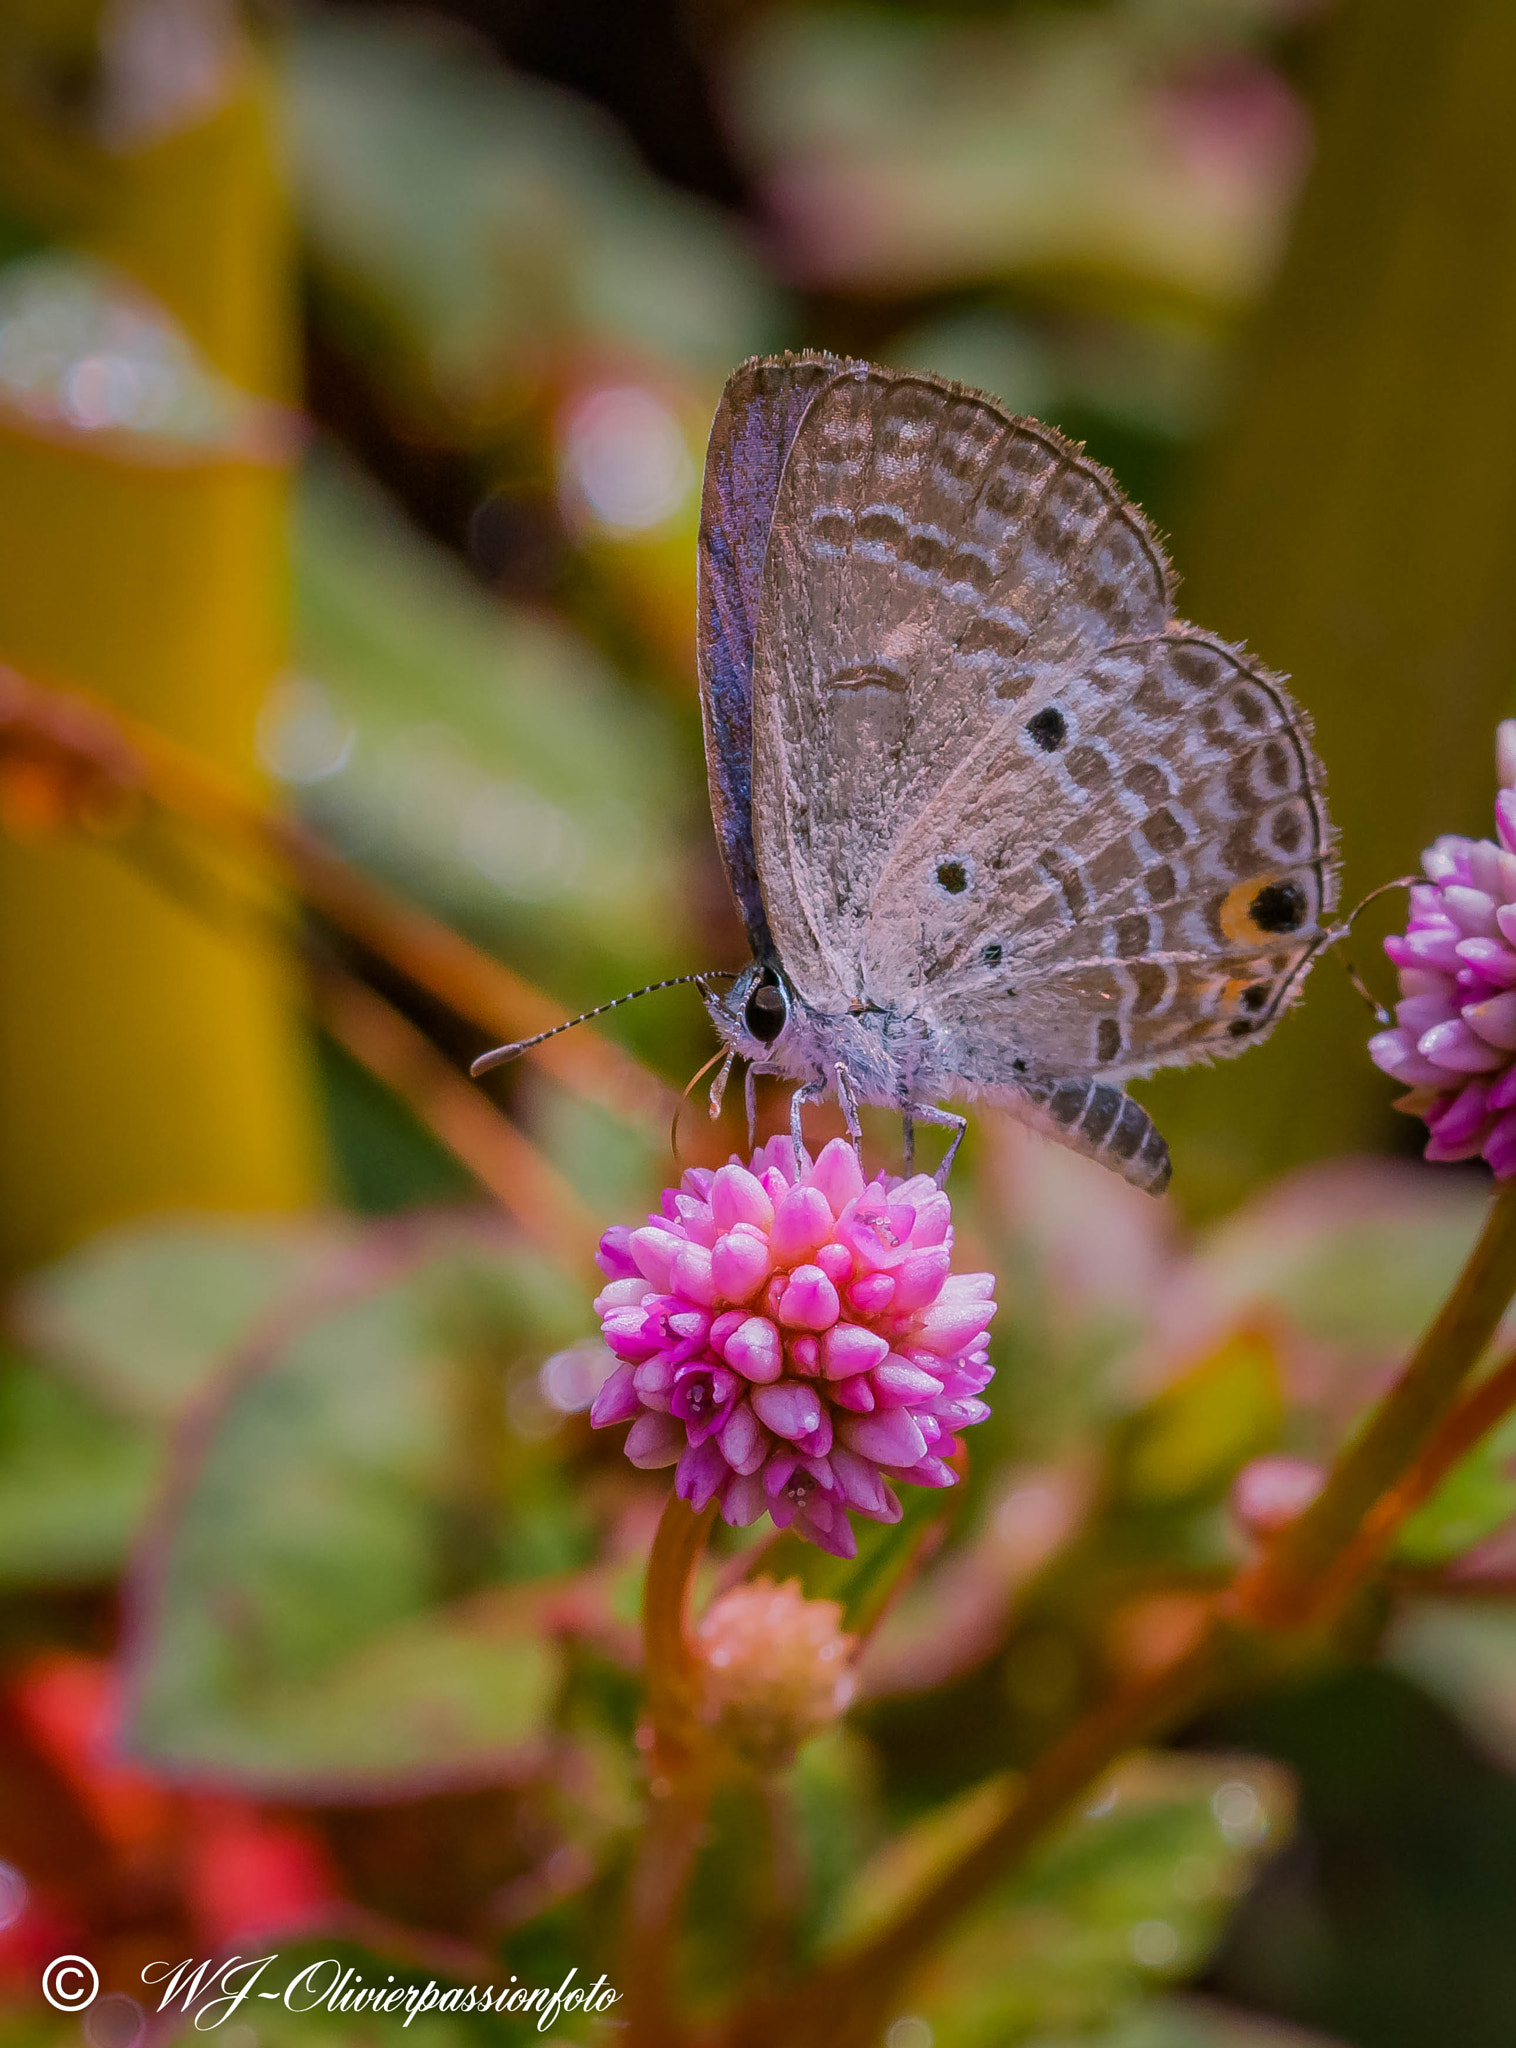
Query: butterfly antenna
489 1060
1344 930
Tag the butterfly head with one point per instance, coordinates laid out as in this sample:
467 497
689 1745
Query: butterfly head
754 1013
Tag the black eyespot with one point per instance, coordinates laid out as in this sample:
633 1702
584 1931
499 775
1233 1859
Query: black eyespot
1239 1027
1048 728
1107 1039
768 1009
1278 908
1256 997
953 876
991 954
1018 1066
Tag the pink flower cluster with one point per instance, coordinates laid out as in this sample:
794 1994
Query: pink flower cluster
1454 1038
795 1342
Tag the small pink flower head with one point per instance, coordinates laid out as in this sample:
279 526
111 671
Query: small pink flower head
795 1343
775 1667
1454 1037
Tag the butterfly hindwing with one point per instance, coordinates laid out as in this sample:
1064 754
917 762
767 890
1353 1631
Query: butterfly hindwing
1144 890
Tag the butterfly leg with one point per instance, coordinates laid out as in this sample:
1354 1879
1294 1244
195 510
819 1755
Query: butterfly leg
908 1141
849 1103
949 1119
812 1091
750 1099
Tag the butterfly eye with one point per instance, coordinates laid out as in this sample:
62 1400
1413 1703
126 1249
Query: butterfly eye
768 1009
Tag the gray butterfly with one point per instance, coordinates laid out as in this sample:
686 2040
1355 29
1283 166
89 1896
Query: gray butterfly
997 824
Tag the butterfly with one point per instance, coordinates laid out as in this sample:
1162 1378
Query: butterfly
998 825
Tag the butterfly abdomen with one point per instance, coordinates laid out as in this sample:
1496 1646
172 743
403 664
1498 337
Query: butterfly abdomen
1099 1120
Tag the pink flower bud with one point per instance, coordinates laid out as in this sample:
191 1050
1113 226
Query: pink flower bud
755 1351
743 1500
802 1224
617 1400
810 1301
899 1385
848 1348
738 1196
740 1263
947 1327
690 1271
871 1295
654 1249
890 1438
836 1261
836 1174
655 1440
918 1279
614 1258
855 1394
743 1443
790 1408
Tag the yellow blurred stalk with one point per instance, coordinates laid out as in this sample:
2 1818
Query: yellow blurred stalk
148 1060
1359 530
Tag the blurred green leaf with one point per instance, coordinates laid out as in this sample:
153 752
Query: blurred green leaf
290 1633
1477 1497
73 1481
471 752
479 223
1352 1253
1132 1894
141 1316
1193 1436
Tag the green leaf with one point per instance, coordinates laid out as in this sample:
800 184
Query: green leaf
466 216
292 1634
140 1317
1193 1436
1132 1894
73 1481
489 761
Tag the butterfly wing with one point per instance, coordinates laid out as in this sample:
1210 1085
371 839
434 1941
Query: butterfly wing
996 789
929 559
755 424
1159 888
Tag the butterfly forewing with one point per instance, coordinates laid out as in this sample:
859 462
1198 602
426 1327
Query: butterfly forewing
928 558
761 408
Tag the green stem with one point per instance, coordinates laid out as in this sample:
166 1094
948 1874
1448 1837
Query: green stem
849 2001
671 1670
1316 1561
679 1783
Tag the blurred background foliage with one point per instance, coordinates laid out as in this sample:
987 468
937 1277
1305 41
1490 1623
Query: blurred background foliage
355 366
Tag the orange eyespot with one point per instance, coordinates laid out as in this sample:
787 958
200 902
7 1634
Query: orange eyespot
1263 907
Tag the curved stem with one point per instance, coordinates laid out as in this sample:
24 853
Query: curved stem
1315 1563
